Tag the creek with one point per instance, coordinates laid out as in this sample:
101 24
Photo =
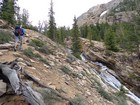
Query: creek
112 80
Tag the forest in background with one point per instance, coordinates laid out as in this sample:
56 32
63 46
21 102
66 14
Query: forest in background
119 36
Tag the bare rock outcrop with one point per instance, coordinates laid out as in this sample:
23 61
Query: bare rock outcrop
122 64
101 14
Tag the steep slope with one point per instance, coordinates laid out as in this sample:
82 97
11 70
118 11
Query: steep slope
62 73
61 78
109 12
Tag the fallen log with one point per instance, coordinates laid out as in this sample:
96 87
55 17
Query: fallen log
8 71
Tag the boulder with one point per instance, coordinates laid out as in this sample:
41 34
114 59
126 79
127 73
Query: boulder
2 87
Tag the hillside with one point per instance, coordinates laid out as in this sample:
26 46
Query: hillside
120 27
57 75
112 12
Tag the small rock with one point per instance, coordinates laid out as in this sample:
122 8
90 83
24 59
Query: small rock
20 59
2 88
38 79
22 64
88 93
46 66
16 54
66 83
26 35
52 86
11 42
28 41
52 57
32 61
79 68
4 50
29 83
33 68
28 64
1 53
50 83
52 63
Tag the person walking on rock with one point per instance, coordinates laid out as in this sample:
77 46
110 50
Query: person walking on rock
19 33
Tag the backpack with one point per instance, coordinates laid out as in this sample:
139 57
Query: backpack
17 31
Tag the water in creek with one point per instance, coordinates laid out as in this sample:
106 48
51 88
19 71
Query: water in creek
111 80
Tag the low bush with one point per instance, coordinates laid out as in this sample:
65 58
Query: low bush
66 70
29 52
101 90
40 46
37 42
78 100
45 50
5 37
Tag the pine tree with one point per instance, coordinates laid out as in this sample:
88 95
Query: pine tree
52 25
137 28
40 26
62 34
84 31
8 10
76 46
45 28
25 17
110 41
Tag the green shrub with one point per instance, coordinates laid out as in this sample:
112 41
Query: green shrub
77 55
122 91
37 42
122 100
40 46
108 53
44 61
50 96
101 90
5 37
66 70
69 72
104 94
44 50
29 52
78 100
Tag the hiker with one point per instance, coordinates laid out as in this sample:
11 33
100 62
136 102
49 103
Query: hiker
19 33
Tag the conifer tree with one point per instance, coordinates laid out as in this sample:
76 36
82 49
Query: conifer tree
84 31
90 33
8 10
25 17
45 28
76 46
137 28
110 41
62 34
40 26
52 24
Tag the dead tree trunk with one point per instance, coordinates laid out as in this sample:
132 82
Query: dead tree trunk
9 74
